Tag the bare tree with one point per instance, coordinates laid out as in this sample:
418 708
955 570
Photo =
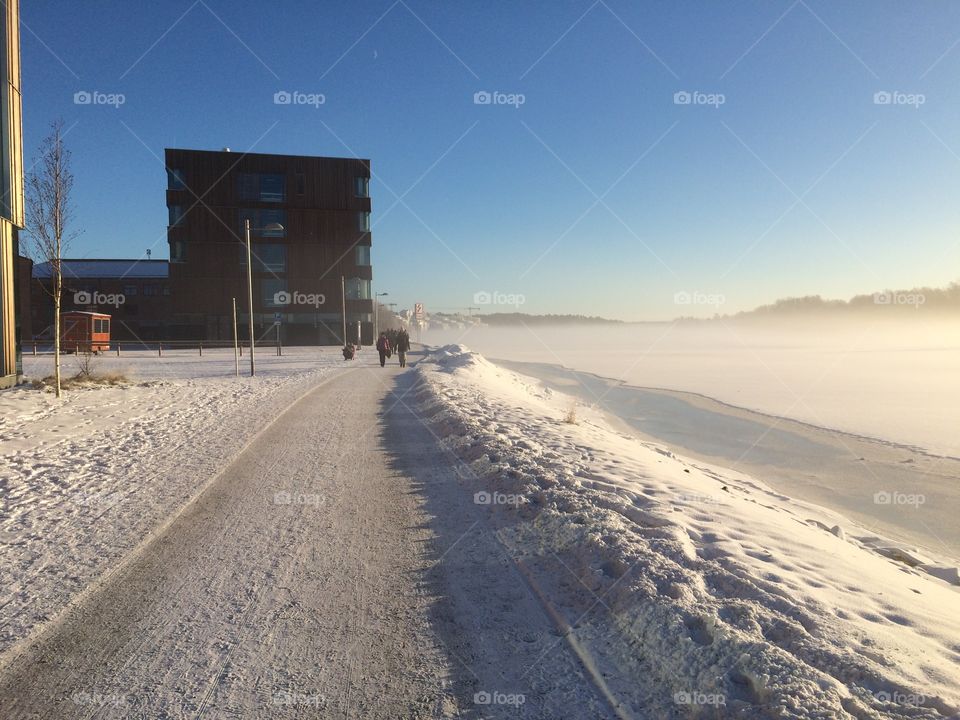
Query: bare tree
49 212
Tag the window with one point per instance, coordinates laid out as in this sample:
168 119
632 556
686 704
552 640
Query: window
176 215
357 289
151 290
178 251
272 188
166 289
361 187
175 180
248 186
363 255
363 222
101 325
259 219
129 290
272 217
301 183
267 257
272 292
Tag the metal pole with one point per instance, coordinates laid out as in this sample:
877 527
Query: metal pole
343 305
236 344
246 227
278 340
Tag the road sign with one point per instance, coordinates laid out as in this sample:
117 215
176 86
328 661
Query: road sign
277 318
418 310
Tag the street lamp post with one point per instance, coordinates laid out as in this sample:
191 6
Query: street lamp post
376 313
246 231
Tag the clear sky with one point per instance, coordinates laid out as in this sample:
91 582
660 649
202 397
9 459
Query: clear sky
602 193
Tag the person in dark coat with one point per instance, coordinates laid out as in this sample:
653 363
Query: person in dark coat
403 346
383 347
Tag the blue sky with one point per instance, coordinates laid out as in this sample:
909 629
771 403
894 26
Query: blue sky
599 194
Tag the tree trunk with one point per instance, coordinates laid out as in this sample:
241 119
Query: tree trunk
58 282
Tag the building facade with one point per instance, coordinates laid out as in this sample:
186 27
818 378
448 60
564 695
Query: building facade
135 293
11 194
310 228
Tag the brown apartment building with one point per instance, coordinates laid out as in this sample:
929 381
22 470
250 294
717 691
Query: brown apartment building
310 227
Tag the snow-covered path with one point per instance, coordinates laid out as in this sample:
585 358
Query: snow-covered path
315 577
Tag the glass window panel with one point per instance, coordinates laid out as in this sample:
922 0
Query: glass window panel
175 179
363 255
270 289
272 188
248 186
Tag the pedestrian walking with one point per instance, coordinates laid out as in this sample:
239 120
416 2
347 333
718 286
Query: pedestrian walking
383 347
403 346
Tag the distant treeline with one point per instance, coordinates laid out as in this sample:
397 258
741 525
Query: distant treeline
499 319
924 299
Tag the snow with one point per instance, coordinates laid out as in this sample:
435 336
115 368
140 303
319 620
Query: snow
85 479
891 380
687 586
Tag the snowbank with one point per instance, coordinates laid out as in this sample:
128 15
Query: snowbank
689 590
85 479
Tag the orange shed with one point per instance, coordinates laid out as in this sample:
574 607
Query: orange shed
84 331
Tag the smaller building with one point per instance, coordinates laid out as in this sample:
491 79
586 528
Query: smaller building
84 332
135 293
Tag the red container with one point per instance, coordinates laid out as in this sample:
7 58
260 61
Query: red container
84 332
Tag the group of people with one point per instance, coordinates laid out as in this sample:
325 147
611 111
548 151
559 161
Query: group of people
389 341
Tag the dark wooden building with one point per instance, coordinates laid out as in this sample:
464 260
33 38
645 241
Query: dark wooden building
135 293
310 227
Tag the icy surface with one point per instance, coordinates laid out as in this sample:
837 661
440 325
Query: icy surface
686 587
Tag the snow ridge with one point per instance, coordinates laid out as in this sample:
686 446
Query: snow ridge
693 591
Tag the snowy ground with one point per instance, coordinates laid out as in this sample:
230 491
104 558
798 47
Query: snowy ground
894 380
686 586
439 542
82 481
